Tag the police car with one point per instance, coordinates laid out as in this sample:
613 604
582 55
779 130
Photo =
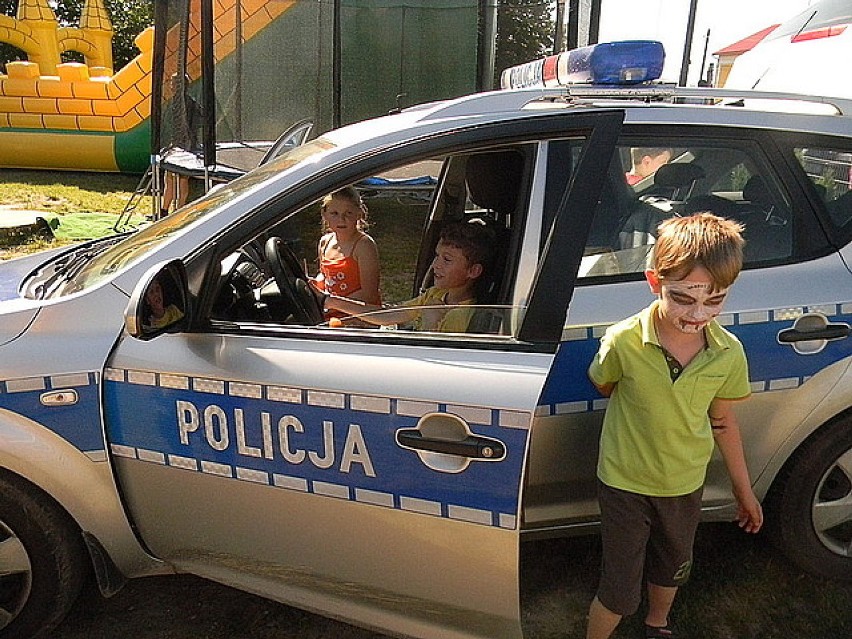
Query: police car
388 476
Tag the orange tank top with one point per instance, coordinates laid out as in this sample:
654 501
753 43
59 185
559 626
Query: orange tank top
342 276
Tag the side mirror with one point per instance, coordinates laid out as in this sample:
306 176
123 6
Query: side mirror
159 303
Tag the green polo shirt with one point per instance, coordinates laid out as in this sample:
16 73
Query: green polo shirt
656 437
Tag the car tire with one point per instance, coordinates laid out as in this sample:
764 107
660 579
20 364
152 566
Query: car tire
809 512
42 561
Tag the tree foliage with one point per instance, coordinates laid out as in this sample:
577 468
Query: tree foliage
129 18
525 30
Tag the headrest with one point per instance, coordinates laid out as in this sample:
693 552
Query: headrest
494 179
678 174
755 189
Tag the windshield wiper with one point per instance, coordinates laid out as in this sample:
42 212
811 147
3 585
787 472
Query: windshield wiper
45 280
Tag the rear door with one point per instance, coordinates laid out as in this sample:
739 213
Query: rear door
788 307
371 475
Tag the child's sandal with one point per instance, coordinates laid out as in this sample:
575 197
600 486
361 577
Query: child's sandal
666 632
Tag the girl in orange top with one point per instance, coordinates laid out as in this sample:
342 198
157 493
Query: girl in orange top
348 257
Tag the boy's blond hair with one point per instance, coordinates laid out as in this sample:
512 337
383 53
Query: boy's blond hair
702 239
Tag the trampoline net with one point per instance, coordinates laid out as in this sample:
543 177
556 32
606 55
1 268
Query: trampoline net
274 65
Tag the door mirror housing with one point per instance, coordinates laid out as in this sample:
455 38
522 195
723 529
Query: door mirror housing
159 303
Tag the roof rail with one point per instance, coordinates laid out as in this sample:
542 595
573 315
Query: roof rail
671 92
488 102
507 100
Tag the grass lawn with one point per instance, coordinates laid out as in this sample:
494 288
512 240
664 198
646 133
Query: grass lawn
80 205
741 588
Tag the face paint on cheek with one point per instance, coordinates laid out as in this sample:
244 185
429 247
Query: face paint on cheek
690 307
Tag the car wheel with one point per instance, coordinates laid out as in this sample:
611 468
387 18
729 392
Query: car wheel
42 562
810 512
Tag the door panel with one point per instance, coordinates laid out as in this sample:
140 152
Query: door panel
243 477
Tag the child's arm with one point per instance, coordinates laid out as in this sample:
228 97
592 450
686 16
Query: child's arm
605 389
726 431
367 312
366 253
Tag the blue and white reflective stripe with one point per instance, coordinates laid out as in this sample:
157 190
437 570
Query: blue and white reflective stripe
772 366
323 488
308 425
483 416
73 415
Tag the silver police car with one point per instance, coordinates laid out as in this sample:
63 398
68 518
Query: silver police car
387 476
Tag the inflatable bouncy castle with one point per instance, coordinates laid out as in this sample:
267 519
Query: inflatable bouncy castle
76 116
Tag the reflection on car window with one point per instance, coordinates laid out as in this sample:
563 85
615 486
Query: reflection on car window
830 171
138 244
683 179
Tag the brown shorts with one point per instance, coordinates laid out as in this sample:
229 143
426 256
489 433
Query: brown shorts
642 534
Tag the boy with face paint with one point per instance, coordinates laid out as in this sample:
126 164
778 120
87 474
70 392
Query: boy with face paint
672 374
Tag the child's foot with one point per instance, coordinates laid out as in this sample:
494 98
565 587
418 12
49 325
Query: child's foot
666 632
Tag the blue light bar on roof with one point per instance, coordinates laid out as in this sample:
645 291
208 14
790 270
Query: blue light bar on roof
624 62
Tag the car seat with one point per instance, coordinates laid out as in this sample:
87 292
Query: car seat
766 229
493 184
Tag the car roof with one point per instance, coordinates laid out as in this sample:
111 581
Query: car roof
643 104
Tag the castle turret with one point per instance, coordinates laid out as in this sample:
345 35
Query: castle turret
97 29
38 15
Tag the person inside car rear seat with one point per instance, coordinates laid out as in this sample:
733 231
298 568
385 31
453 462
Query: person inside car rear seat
646 161
462 257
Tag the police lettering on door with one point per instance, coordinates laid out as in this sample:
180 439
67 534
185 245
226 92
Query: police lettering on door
270 438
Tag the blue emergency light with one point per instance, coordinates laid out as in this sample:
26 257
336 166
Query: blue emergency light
624 62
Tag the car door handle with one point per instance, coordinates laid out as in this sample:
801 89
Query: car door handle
472 446
830 331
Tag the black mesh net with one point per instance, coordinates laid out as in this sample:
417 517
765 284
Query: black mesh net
280 62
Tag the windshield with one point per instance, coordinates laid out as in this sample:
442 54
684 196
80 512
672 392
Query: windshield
135 246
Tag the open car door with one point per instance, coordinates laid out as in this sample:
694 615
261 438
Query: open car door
370 475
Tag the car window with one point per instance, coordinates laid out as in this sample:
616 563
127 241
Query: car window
651 180
408 213
830 171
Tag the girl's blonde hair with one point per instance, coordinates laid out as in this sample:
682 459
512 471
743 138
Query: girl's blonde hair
347 193
702 239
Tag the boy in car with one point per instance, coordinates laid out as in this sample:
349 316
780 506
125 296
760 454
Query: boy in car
672 374
462 256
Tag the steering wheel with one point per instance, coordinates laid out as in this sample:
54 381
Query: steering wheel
292 282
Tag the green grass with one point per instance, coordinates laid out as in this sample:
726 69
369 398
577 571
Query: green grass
397 229
62 192
741 588
80 206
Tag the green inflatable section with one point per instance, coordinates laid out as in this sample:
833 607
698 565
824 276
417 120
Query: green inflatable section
133 148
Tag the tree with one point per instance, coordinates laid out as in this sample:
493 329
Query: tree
7 51
524 32
129 18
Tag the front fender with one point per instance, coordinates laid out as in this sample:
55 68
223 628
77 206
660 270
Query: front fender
15 317
81 483
804 410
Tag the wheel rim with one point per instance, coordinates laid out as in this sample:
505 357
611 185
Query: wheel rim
832 506
15 575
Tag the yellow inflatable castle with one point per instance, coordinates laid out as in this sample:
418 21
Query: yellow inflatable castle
73 116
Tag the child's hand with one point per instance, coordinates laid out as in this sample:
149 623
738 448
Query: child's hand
749 512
